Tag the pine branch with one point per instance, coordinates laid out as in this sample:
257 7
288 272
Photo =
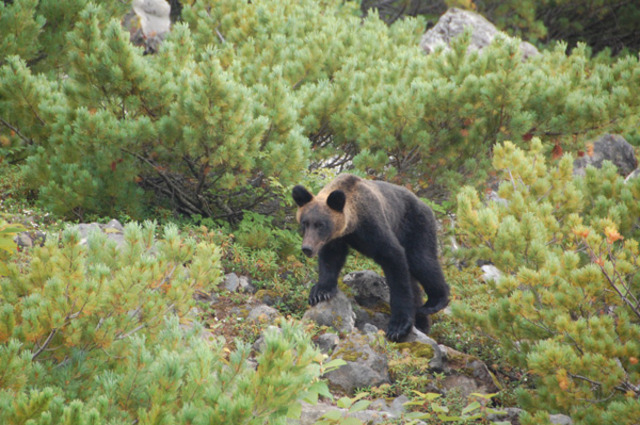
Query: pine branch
45 344
26 139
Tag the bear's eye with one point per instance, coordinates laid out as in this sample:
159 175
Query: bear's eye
319 226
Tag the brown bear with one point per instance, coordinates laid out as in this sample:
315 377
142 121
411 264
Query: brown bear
385 222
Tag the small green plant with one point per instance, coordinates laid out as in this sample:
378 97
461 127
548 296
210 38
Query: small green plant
352 405
430 409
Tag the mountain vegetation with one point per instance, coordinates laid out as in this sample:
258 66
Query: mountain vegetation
202 142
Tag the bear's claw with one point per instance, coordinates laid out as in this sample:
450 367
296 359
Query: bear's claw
319 294
398 329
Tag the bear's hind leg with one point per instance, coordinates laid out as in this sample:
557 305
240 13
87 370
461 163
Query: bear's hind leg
396 271
422 321
428 272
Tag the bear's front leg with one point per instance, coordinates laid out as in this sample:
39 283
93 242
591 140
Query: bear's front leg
331 258
396 271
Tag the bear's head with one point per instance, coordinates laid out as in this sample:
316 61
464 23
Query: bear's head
321 217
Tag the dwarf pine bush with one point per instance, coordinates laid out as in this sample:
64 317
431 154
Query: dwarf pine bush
567 308
101 334
244 96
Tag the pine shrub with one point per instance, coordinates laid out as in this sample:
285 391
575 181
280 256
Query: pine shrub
244 96
101 334
567 307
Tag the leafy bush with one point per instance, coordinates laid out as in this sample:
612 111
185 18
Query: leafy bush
567 307
102 334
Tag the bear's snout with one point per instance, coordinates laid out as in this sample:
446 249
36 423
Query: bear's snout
307 250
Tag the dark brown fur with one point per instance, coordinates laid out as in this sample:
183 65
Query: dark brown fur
385 222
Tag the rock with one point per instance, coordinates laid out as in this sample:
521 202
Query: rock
467 373
263 314
155 21
371 294
327 342
268 297
421 345
397 407
259 344
611 147
245 285
231 282
365 317
311 413
494 197
511 415
369 288
364 366
85 229
454 22
368 328
23 240
490 272
560 419
336 313
234 283
463 384
114 225
634 175
114 231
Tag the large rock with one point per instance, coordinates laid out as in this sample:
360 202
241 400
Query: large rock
155 21
234 283
609 147
370 290
364 366
114 231
453 23
371 293
336 313
420 344
263 314
467 374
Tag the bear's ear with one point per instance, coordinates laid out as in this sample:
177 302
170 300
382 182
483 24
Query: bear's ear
301 196
336 200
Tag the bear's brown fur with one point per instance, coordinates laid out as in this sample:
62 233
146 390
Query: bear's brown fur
385 222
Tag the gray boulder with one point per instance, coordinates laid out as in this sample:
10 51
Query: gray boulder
336 313
467 374
371 293
114 231
368 317
609 147
234 283
263 314
364 366
490 272
327 342
455 21
369 288
417 342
